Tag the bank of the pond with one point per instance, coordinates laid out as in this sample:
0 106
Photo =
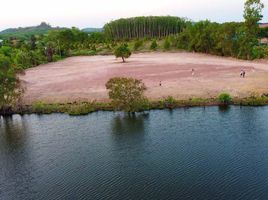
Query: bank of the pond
84 108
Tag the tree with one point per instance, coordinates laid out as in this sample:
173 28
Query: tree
33 42
127 94
10 90
122 51
252 15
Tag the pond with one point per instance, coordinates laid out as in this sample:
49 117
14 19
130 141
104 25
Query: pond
195 153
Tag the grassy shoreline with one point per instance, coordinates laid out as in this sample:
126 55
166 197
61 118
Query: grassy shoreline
84 108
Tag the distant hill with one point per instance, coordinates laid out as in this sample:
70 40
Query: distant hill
25 32
92 30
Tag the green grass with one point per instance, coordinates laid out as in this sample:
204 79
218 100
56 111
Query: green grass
83 52
81 109
252 101
85 108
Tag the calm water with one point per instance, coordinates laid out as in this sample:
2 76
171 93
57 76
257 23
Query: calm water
192 153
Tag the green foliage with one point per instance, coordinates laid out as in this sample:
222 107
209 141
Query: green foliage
138 44
167 44
225 98
71 109
154 45
23 59
10 90
127 94
122 51
257 100
252 15
83 52
263 33
227 39
81 109
43 108
170 102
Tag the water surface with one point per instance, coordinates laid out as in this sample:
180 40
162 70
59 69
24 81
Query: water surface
197 153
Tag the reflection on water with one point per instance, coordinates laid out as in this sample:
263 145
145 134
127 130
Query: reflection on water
129 124
224 108
14 132
15 158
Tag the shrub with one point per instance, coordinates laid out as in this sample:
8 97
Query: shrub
56 58
154 45
138 44
43 108
225 98
170 102
81 109
167 44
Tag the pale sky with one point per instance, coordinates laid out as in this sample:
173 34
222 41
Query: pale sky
89 13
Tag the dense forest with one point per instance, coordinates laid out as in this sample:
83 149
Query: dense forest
145 27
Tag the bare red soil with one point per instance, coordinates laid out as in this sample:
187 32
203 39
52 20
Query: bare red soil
83 78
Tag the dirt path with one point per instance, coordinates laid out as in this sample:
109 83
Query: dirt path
84 78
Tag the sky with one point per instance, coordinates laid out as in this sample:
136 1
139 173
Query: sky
95 13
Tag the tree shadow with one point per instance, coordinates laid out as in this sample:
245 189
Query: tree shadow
129 124
14 132
224 108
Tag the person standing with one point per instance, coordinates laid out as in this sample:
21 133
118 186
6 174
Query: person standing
192 72
244 73
241 73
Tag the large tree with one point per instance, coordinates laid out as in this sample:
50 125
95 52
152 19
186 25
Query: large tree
127 94
252 15
10 89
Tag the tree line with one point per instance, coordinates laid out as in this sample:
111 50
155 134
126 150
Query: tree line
145 27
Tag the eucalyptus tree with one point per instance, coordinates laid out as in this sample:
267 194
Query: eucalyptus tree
144 27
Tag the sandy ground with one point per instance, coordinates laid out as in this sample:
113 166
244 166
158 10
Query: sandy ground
84 78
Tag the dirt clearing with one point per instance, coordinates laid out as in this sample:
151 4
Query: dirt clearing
83 78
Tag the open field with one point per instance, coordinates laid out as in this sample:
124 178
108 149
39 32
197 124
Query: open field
84 78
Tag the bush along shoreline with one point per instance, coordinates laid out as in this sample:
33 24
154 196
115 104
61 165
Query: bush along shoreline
84 108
